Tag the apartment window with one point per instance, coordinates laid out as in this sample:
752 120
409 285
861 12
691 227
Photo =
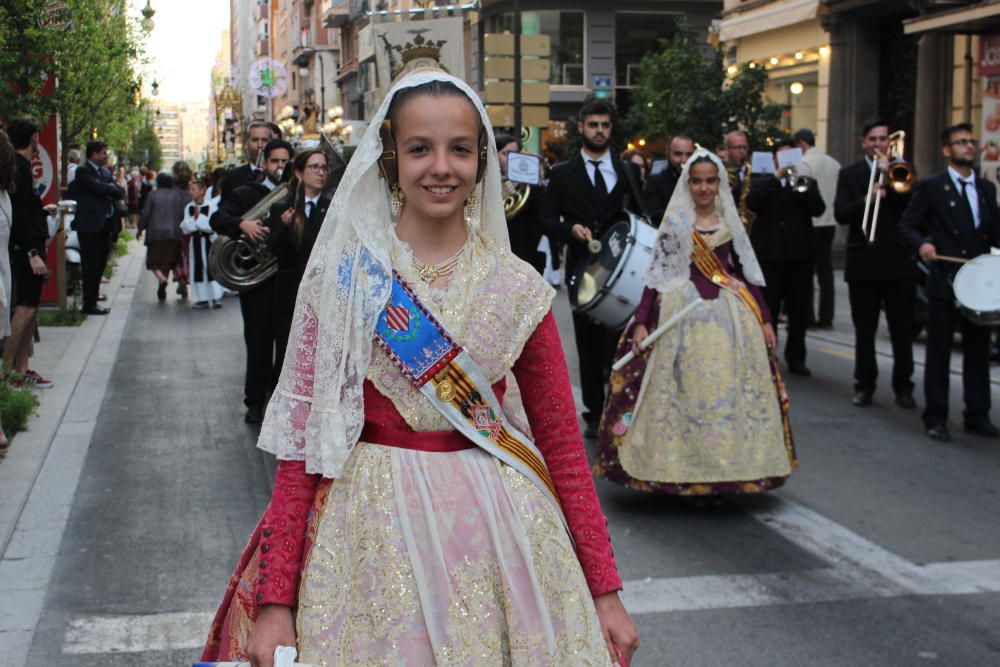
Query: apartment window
565 30
637 35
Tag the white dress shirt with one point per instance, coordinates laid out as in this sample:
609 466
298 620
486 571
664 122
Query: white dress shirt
310 206
826 170
970 192
607 169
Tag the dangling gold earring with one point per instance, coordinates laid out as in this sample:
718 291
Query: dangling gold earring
396 201
472 210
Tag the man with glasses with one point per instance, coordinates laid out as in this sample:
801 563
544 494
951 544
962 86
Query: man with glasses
953 214
737 150
585 196
880 273
660 187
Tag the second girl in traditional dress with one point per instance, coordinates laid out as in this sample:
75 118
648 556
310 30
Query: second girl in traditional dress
703 411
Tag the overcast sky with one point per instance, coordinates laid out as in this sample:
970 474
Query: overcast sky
183 45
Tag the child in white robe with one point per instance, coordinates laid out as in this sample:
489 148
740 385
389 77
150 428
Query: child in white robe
197 212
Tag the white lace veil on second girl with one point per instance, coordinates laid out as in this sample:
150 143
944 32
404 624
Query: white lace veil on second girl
671 264
317 411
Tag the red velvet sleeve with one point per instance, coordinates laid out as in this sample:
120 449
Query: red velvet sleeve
283 534
548 401
645 311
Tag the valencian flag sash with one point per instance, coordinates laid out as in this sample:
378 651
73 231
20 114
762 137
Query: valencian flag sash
455 385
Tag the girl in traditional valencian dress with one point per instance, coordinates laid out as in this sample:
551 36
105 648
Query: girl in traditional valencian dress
703 411
412 521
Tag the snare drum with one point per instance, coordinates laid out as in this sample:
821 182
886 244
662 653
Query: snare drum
607 286
977 290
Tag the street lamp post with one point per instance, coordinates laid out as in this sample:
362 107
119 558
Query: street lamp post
147 17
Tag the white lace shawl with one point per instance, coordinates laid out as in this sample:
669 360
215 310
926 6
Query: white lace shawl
317 411
671 264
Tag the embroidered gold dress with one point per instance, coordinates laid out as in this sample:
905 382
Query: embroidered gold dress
443 558
703 411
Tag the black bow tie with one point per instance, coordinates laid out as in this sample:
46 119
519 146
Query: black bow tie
194 207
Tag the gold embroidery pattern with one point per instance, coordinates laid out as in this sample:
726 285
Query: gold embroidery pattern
708 412
359 601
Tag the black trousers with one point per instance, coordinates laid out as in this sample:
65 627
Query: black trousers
942 319
789 284
595 348
94 249
257 306
285 290
823 261
867 299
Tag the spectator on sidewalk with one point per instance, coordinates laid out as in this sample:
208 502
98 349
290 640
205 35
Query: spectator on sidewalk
160 223
7 169
29 233
820 166
134 185
183 175
74 162
96 214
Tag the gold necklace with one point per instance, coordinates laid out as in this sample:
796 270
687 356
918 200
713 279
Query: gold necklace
431 272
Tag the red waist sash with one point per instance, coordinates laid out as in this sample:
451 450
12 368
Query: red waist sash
426 441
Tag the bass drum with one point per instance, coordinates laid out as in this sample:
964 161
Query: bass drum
977 290
607 286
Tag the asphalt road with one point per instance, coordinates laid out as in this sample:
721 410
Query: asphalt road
883 549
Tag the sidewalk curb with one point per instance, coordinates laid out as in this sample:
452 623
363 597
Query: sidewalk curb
38 478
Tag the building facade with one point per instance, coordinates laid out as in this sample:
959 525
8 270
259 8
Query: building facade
170 131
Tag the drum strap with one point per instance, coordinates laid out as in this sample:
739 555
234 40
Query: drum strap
455 385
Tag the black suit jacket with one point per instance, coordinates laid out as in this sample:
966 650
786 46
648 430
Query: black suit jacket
932 217
281 239
570 200
783 231
227 219
234 179
657 193
95 196
526 233
886 258
29 229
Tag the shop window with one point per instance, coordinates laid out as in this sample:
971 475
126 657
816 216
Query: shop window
800 93
636 36
565 29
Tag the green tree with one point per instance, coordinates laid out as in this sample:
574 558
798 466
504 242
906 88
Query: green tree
144 148
94 51
686 88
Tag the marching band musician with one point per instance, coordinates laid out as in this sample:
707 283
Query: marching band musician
257 303
782 239
257 136
586 195
737 150
878 273
197 213
953 214
294 224
525 234
660 187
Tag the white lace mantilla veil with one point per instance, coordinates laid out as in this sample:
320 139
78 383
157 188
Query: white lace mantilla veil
317 410
671 264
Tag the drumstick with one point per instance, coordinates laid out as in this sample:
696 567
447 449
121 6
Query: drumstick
659 331
953 260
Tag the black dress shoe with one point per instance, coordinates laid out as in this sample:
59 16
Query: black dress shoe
590 430
102 297
906 401
986 430
254 415
161 291
939 432
862 398
96 310
799 368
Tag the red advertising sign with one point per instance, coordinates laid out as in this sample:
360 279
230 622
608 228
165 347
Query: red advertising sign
45 171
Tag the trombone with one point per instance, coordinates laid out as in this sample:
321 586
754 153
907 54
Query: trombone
900 174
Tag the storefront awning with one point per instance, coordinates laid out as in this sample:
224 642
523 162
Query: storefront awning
975 20
769 17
